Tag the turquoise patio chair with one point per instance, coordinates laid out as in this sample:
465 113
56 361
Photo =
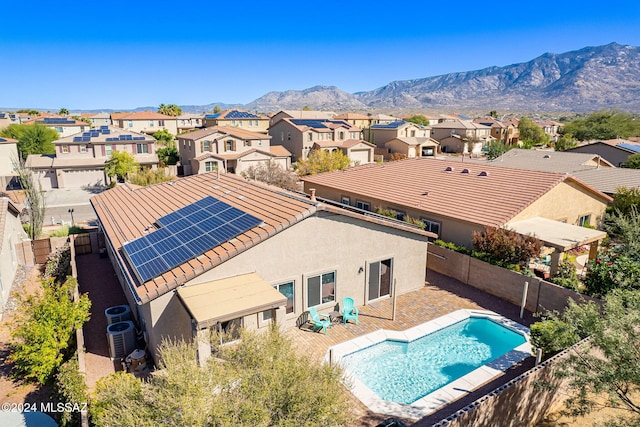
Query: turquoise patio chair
319 321
349 310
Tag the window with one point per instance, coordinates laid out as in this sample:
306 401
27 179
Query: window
233 122
341 135
130 123
281 135
228 145
64 149
310 137
240 123
83 148
160 122
247 143
345 200
206 145
151 123
107 149
255 123
142 148
210 166
380 279
288 136
363 205
413 133
59 129
400 216
285 289
431 226
584 221
321 289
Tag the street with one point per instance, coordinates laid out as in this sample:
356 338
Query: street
60 201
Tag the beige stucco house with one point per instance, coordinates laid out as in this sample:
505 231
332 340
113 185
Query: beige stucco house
99 119
379 134
11 234
358 151
455 198
299 135
227 149
79 159
7 119
505 132
253 276
461 136
148 122
238 118
301 114
188 122
412 146
362 121
63 125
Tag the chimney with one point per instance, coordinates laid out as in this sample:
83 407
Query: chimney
312 193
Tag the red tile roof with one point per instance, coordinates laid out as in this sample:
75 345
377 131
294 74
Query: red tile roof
141 115
425 184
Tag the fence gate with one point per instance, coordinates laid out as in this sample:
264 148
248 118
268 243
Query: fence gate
41 250
82 243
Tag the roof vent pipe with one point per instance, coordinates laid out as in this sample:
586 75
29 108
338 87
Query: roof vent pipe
217 173
312 194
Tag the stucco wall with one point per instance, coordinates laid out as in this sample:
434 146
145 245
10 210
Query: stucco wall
13 235
165 318
566 201
330 243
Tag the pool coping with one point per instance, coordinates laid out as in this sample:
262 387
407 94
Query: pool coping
444 395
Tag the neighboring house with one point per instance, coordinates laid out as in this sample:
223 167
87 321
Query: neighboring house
64 126
8 156
299 135
238 118
608 180
362 121
188 122
301 114
550 128
227 149
7 119
11 233
148 122
379 134
79 159
504 132
615 151
213 251
412 147
550 161
358 151
456 198
97 120
381 119
465 129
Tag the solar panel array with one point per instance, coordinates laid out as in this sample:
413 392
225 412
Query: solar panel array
633 147
185 234
126 138
235 114
56 121
392 125
312 123
93 133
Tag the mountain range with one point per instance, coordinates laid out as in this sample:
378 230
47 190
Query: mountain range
588 79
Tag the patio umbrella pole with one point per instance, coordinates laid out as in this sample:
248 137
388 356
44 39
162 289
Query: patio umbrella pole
524 298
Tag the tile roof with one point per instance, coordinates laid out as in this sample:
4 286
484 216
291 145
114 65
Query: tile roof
425 184
126 212
551 161
347 143
319 125
143 115
415 140
352 116
279 150
225 130
608 180
235 114
393 125
308 114
236 155
459 124
99 136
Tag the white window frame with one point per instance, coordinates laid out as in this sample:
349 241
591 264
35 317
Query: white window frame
293 300
321 276
210 166
365 206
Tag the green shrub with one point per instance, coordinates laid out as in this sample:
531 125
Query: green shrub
70 388
566 276
58 264
552 336
452 246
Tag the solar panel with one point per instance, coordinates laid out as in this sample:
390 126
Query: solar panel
312 123
185 234
77 139
632 147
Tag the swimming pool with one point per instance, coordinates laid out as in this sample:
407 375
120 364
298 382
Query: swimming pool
417 371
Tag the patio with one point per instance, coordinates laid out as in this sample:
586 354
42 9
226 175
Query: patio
439 296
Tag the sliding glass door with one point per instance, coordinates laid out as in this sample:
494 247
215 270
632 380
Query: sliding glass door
380 276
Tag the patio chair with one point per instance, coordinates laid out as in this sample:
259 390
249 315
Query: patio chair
319 321
349 310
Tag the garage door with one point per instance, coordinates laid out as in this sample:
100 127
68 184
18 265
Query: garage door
360 156
47 179
83 178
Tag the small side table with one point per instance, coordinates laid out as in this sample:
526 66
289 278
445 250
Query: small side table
335 317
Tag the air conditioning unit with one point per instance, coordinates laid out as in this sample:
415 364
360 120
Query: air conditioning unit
122 339
118 313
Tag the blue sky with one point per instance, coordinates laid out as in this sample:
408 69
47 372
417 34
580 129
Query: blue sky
121 55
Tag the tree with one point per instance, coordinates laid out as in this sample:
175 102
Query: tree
496 149
493 113
624 200
272 173
216 109
565 142
633 162
529 131
29 112
170 110
32 139
418 119
149 177
44 328
506 246
306 108
34 198
261 382
322 161
164 137
82 119
605 364
168 155
63 112
606 124
120 165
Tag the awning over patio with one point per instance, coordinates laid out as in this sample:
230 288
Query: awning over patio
230 298
556 234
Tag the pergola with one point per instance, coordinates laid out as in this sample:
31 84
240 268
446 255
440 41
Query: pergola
559 236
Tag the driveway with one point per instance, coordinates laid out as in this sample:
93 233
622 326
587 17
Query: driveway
60 200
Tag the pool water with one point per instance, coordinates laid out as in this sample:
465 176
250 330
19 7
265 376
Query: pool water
404 372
